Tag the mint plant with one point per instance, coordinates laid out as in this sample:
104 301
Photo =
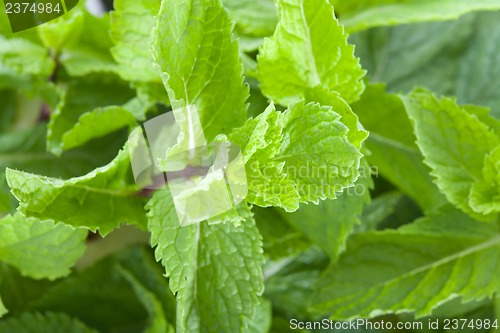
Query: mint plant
370 135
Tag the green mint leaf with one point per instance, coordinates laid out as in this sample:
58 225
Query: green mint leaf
24 57
415 268
330 223
392 146
90 52
84 96
97 123
366 14
459 60
300 155
485 193
199 63
485 116
435 66
40 249
357 135
253 18
308 49
260 140
101 200
259 136
25 150
152 92
315 142
5 198
454 144
262 320
46 322
62 31
3 310
208 264
131 25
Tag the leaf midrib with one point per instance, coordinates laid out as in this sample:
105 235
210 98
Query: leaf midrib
491 242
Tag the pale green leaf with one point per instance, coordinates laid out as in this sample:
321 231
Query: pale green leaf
263 317
24 57
84 96
90 52
199 62
365 14
97 123
415 268
308 49
300 155
392 147
357 134
42 323
259 136
316 151
485 193
3 310
5 198
485 116
249 44
25 150
253 17
64 30
40 249
131 25
100 200
153 92
454 144
260 141
214 269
